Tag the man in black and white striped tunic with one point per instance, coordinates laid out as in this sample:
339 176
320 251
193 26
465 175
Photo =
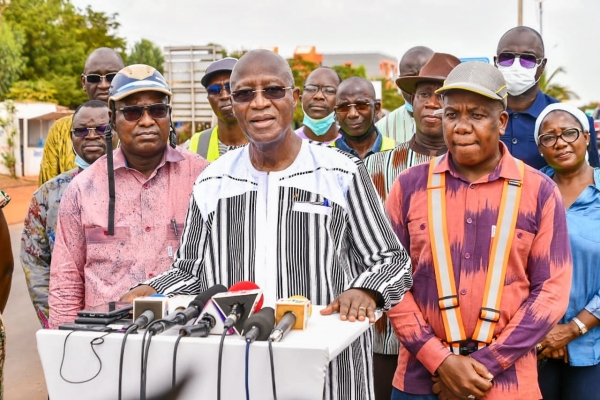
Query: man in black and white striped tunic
296 217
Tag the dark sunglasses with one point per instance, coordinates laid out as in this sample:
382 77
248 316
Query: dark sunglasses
214 90
528 61
95 78
270 92
327 90
83 132
569 136
134 113
358 106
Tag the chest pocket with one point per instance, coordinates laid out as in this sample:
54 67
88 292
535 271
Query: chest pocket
103 248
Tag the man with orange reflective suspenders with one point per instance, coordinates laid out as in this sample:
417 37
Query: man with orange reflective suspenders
490 255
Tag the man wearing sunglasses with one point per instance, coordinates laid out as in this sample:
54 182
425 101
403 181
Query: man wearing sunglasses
37 241
296 217
121 220
100 68
318 102
520 58
356 109
214 142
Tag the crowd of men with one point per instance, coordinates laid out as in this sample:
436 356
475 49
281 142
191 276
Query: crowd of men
435 213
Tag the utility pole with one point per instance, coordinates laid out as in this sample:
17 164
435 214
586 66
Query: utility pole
520 19
541 12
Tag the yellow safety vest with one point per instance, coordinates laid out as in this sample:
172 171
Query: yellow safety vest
442 258
206 143
386 143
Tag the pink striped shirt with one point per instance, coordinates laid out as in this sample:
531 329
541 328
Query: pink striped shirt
91 268
536 287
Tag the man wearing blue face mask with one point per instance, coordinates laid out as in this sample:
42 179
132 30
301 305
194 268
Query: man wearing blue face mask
37 241
521 60
318 101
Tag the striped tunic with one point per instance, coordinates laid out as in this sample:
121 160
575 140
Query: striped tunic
384 168
314 229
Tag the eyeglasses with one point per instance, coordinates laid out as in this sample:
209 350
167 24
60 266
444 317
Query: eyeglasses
425 95
326 90
216 89
360 106
83 132
95 78
528 61
270 92
568 136
134 113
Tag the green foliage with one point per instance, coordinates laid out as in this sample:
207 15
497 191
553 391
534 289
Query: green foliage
7 124
390 96
57 38
146 52
11 63
346 71
40 90
558 91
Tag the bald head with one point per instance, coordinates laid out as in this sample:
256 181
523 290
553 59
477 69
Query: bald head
413 60
99 68
357 84
528 39
262 62
104 54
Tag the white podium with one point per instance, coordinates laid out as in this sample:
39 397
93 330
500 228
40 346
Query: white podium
300 359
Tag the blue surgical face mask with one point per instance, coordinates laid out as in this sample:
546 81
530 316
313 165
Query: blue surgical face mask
319 126
408 107
80 162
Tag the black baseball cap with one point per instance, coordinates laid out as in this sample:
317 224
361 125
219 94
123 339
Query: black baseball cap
222 65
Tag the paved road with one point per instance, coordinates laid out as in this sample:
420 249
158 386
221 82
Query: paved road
23 375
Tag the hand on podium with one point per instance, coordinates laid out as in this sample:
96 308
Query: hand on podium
353 304
140 291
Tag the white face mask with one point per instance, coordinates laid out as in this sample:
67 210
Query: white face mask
518 79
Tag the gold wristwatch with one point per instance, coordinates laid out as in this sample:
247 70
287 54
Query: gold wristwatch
582 328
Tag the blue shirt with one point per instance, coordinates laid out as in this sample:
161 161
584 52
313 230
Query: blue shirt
583 220
520 130
376 148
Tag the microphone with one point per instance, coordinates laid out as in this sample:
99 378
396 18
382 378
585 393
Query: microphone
242 299
201 328
291 313
183 316
259 325
144 319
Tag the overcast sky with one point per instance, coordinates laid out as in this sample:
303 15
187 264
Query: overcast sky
465 28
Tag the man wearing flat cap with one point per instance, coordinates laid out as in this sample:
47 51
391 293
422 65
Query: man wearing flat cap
216 141
384 167
490 255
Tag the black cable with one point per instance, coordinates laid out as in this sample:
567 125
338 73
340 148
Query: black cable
132 328
219 363
145 367
95 342
175 360
246 373
272 368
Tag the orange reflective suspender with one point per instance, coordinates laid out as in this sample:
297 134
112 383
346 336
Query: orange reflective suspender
442 258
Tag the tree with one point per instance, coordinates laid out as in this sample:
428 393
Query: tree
57 38
146 52
391 99
11 63
558 91
39 90
7 124
346 71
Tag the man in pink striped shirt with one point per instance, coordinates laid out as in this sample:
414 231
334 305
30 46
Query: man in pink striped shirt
536 276
101 251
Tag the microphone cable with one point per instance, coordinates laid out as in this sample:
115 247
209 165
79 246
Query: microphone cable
219 363
246 373
132 328
270 341
144 361
95 342
181 335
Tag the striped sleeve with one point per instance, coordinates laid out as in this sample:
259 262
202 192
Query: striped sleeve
374 244
184 275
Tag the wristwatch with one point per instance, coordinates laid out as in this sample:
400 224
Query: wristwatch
582 328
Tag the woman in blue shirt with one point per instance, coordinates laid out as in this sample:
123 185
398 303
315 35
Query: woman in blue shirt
572 349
